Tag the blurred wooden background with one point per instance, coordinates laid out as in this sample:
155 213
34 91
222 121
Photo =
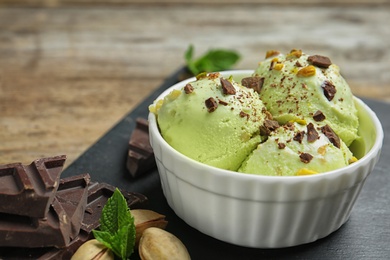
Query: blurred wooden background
69 70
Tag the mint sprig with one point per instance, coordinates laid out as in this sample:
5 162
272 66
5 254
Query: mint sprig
212 61
117 229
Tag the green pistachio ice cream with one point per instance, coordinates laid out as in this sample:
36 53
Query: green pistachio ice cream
294 116
298 86
212 120
295 149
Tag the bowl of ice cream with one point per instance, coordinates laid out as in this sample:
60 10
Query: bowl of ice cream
237 172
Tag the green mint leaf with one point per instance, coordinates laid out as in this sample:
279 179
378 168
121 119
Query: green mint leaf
213 60
117 228
217 60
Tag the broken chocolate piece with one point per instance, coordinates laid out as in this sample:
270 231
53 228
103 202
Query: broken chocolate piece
319 116
211 104
305 157
140 154
72 194
281 145
319 61
188 89
299 136
227 87
268 127
329 90
332 136
255 83
30 188
312 134
98 195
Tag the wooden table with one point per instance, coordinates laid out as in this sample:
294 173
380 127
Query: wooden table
69 70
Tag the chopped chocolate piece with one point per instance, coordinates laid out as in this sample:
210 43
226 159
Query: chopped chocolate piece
299 136
188 89
98 195
211 104
281 145
268 127
332 136
255 83
312 134
30 188
305 157
140 153
72 194
223 103
22 231
298 64
319 61
243 114
227 87
319 116
329 90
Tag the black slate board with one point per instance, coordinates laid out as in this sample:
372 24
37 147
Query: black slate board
366 235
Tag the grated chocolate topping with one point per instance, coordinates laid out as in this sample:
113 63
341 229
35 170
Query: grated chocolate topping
299 136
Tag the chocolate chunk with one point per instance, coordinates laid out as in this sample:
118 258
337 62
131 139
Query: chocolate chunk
319 116
268 127
30 188
312 134
72 194
61 223
299 137
140 157
98 194
319 61
332 136
255 83
223 103
305 157
227 87
211 104
188 89
329 90
281 145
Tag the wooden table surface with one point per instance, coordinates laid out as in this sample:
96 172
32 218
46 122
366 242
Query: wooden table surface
69 70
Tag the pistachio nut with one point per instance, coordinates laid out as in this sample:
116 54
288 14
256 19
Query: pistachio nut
157 243
93 250
144 219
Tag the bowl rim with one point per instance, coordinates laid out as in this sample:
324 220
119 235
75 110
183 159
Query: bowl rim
251 177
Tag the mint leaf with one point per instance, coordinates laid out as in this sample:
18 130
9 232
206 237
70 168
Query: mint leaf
117 229
213 60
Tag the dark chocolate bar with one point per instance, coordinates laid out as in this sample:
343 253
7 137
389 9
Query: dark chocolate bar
60 224
72 193
98 194
28 190
140 154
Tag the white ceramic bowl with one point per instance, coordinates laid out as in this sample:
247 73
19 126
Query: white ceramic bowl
264 211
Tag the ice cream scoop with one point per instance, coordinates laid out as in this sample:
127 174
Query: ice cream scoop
213 120
298 149
298 86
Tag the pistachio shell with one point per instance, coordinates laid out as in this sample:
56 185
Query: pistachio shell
144 219
157 243
93 250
